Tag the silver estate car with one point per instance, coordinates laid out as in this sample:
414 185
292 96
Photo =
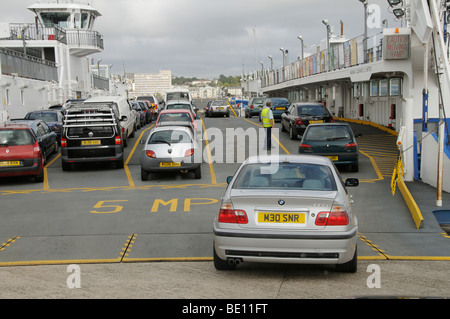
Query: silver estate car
286 209
171 148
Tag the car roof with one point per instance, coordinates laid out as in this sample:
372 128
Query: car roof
309 159
10 125
329 124
175 111
178 101
106 98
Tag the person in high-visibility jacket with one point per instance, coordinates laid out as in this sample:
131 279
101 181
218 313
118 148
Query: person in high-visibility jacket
267 121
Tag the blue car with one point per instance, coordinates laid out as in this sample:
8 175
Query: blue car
53 118
278 106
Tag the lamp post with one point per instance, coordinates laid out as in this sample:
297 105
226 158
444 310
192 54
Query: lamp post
284 59
301 40
364 2
271 62
325 22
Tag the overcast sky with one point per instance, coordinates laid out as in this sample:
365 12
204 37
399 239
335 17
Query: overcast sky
206 38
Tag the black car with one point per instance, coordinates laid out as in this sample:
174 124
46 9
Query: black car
47 139
278 106
300 115
53 118
333 140
91 134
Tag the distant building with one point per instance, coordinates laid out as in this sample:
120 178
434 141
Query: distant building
152 83
206 92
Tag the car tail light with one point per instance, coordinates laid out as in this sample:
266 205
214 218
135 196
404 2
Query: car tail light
63 142
305 147
117 140
351 146
150 153
298 121
36 148
234 216
336 217
332 120
189 152
251 106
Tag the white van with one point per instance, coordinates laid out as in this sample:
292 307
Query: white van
125 115
178 94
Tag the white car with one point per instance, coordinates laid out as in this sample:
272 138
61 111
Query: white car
286 209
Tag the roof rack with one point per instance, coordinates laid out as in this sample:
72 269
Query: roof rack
90 115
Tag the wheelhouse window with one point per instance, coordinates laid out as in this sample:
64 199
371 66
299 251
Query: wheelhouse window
61 19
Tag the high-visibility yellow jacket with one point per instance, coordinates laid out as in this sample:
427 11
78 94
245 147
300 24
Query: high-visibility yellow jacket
265 117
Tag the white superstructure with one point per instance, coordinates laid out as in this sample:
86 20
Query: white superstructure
49 61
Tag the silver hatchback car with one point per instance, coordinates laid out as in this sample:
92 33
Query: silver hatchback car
286 209
171 148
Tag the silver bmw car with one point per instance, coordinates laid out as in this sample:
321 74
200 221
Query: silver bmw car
171 148
286 209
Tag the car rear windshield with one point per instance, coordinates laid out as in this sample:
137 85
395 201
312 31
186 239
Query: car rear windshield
299 176
279 102
16 137
312 110
46 117
219 103
328 133
170 117
90 131
169 137
178 107
258 101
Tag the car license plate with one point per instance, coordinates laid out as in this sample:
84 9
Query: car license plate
219 108
170 164
314 122
333 158
284 218
280 108
91 142
9 163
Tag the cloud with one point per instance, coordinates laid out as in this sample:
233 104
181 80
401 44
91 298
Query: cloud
206 38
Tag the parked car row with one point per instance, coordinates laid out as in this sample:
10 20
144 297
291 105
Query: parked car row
173 144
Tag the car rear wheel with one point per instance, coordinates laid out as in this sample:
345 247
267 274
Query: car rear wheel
291 133
221 264
198 173
350 266
39 178
144 175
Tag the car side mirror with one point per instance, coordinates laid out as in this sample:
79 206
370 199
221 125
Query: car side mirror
359 135
351 182
229 178
124 118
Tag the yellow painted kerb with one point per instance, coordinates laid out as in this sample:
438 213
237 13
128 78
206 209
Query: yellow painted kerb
410 202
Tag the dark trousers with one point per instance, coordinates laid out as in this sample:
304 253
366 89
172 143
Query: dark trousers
268 137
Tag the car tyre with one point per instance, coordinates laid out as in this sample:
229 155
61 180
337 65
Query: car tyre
350 266
283 129
119 163
39 178
144 175
198 172
354 168
221 264
292 136
66 166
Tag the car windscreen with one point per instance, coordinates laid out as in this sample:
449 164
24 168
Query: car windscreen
258 101
300 176
169 137
46 117
90 132
328 133
16 137
312 110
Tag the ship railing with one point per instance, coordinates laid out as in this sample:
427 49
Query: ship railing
33 31
22 65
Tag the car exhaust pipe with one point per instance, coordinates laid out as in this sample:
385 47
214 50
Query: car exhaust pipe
234 261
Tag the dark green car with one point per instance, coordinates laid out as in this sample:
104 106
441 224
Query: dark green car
333 140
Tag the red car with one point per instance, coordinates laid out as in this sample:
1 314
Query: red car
20 154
